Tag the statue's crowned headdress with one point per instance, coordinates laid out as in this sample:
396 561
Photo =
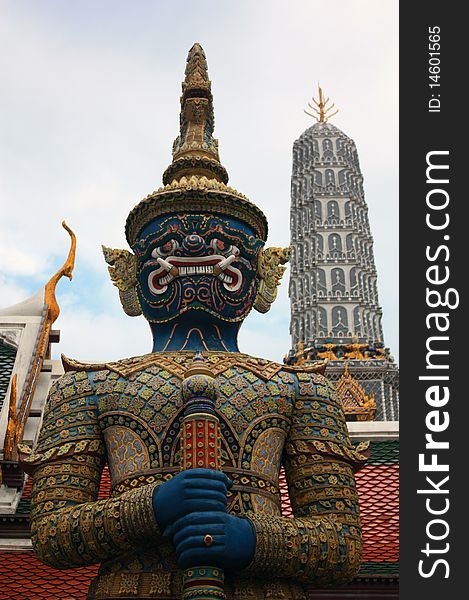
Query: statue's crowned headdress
195 180
198 243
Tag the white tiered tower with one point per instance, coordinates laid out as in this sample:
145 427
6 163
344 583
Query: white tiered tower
333 291
335 311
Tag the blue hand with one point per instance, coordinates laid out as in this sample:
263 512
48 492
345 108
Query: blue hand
195 490
232 548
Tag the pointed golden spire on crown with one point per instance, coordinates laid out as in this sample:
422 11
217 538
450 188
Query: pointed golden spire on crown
195 180
323 112
195 150
196 73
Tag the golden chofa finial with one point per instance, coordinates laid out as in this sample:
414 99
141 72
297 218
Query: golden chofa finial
66 270
323 112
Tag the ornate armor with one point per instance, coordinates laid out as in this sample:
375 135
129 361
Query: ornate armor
129 414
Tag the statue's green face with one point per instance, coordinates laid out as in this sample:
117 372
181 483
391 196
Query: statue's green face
197 262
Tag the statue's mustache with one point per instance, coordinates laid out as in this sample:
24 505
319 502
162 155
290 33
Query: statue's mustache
175 266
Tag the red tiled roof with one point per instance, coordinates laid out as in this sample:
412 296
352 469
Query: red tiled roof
25 577
378 491
27 488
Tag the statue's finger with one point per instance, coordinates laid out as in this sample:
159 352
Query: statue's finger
195 518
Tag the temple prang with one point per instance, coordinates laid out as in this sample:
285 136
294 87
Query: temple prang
335 310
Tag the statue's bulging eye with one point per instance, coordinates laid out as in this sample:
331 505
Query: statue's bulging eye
217 245
166 249
221 247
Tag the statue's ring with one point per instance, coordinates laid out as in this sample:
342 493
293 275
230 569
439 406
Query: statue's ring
208 540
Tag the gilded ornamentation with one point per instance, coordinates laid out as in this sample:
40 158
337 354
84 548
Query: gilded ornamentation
18 414
65 271
323 112
355 351
10 446
160 584
126 452
177 362
300 354
355 401
266 452
270 270
328 353
123 271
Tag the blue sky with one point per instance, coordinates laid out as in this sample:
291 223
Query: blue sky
89 109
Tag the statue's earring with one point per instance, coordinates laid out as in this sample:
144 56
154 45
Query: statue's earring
123 271
270 271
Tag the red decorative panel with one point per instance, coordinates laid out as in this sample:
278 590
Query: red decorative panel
200 442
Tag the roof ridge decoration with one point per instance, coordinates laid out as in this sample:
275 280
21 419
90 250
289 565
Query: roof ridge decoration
355 400
65 271
323 112
18 416
195 179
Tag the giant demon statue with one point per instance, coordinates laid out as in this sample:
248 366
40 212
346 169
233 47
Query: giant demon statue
198 267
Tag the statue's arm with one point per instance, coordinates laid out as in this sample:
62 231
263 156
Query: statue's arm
69 526
322 543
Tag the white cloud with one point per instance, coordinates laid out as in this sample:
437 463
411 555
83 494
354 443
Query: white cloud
267 335
14 260
91 336
11 293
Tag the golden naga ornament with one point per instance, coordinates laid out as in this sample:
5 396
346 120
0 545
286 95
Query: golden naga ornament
270 270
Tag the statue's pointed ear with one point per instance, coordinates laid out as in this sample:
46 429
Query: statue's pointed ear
123 271
270 272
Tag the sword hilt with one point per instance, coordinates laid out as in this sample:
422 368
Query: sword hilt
200 448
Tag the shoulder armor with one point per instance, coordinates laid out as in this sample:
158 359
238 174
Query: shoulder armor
178 362
70 364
